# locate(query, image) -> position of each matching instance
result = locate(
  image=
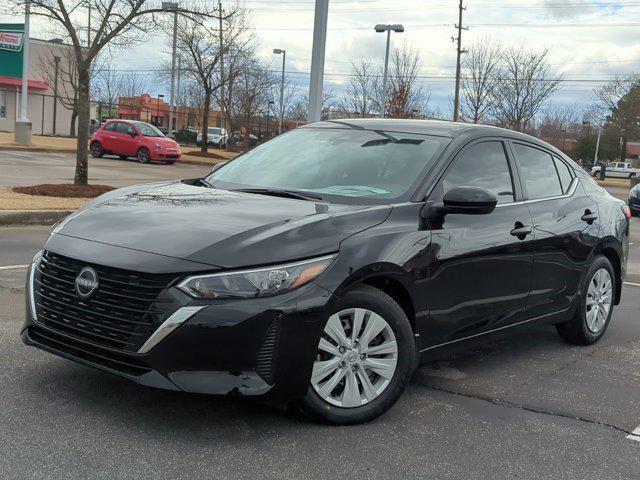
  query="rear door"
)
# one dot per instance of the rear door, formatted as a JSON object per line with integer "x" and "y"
{"x": 482, "y": 263}
{"x": 565, "y": 223}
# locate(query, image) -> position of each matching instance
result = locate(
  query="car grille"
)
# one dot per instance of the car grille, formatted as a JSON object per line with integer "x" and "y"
{"x": 79, "y": 350}
{"x": 123, "y": 312}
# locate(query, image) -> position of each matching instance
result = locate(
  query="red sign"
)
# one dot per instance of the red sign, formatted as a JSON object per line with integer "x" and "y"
{"x": 145, "y": 100}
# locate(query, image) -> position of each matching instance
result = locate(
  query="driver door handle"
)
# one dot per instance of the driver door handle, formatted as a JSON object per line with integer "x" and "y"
{"x": 589, "y": 217}
{"x": 521, "y": 230}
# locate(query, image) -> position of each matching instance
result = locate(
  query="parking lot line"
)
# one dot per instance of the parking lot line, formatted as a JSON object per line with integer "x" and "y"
{"x": 632, "y": 284}
{"x": 635, "y": 435}
{"x": 13, "y": 267}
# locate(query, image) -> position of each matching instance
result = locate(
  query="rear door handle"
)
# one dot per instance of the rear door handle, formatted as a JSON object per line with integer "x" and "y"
{"x": 521, "y": 230}
{"x": 589, "y": 217}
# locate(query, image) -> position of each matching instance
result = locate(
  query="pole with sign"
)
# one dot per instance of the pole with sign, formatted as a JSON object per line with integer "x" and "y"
{"x": 23, "y": 125}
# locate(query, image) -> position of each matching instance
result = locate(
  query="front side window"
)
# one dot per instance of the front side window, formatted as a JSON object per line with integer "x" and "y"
{"x": 124, "y": 127}
{"x": 111, "y": 127}
{"x": 538, "y": 172}
{"x": 482, "y": 165}
{"x": 348, "y": 163}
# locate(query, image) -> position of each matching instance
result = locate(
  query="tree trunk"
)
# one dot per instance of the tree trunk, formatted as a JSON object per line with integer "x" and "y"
{"x": 82, "y": 165}
{"x": 72, "y": 127}
{"x": 204, "y": 145}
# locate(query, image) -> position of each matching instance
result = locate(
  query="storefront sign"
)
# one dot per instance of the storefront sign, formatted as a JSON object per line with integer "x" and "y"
{"x": 11, "y": 43}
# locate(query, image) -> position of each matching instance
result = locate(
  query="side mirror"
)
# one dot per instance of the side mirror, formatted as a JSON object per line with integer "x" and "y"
{"x": 469, "y": 201}
{"x": 218, "y": 166}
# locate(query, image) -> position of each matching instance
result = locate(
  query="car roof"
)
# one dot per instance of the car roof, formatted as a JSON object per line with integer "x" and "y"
{"x": 426, "y": 127}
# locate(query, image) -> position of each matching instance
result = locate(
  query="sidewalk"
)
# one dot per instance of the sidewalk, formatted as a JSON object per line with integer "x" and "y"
{"x": 45, "y": 143}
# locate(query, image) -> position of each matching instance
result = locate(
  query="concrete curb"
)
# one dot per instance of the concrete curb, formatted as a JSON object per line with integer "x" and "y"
{"x": 37, "y": 149}
{"x": 32, "y": 217}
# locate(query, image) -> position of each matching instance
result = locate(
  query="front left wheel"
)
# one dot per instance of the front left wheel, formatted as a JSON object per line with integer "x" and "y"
{"x": 365, "y": 358}
{"x": 144, "y": 156}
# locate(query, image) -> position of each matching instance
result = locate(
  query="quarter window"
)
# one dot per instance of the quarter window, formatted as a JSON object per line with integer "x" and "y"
{"x": 482, "y": 165}
{"x": 538, "y": 172}
{"x": 564, "y": 173}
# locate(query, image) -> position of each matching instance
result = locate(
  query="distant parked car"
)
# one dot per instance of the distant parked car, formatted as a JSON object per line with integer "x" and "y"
{"x": 238, "y": 138}
{"x": 615, "y": 170}
{"x": 634, "y": 200}
{"x": 131, "y": 138}
{"x": 216, "y": 136}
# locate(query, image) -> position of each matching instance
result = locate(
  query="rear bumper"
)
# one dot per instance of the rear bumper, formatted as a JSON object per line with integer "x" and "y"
{"x": 241, "y": 347}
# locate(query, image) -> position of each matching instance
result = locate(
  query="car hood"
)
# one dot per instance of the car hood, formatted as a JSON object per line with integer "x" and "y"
{"x": 218, "y": 227}
{"x": 165, "y": 142}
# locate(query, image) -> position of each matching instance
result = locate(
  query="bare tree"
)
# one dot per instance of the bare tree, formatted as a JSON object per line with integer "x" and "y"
{"x": 480, "y": 68}
{"x": 66, "y": 85}
{"x": 291, "y": 91}
{"x": 406, "y": 97}
{"x": 115, "y": 23}
{"x": 558, "y": 121}
{"x": 609, "y": 94}
{"x": 525, "y": 83}
{"x": 360, "y": 95}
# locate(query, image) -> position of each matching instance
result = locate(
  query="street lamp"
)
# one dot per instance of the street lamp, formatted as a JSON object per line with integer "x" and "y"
{"x": 56, "y": 61}
{"x": 172, "y": 7}
{"x": 381, "y": 28}
{"x": 279, "y": 51}
{"x": 269, "y": 105}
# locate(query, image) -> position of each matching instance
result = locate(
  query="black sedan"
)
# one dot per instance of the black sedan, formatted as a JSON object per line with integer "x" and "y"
{"x": 319, "y": 266}
{"x": 634, "y": 200}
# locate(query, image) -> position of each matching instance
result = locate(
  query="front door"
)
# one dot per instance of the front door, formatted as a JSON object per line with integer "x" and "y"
{"x": 482, "y": 263}
{"x": 126, "y": 139}
{"x": 566, "y": 227}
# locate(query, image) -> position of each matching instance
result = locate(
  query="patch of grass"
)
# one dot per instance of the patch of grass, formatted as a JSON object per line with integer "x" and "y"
{"x": 64, "y": 190}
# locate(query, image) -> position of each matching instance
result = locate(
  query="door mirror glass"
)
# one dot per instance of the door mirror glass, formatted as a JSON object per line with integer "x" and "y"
{"x": 469, "y": 201}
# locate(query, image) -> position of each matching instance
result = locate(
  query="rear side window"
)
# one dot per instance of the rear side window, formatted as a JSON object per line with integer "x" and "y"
{"x": 538, "y": 172}
{"x": 482, "y": 165}
{"x": 564, "y": 173}
{"x": 111, "y": 127}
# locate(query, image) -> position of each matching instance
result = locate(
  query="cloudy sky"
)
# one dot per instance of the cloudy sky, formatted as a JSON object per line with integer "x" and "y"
{"x": 589, "y": 41}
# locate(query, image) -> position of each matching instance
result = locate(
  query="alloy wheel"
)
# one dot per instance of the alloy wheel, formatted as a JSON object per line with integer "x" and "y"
{"x": 599, "y": 298}
{"x": 356, "y": 359}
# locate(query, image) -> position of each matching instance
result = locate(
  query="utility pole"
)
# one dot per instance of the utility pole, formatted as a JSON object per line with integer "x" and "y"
{"x": 595, "y": 157}
{"x": 178, "y": 92}
{"x": 460, "y": 51}
{"x": 23, "y": 124}
{"x": 317, "y": 60}
{"x": 56, "y": 61}
{"x": 279, "y": 51}
{"x": 222, "y": 79}
{"x": 173, "y": 7}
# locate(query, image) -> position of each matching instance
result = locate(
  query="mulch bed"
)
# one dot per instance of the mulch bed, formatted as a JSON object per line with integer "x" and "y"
{"x": 207, "y": 155}
{"x": 65, "y": 190}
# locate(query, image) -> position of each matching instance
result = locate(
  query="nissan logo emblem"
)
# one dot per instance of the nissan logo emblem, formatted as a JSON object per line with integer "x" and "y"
{"x": 86, "y": 282}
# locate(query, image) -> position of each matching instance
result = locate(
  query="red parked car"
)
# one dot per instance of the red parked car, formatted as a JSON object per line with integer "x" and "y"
{"x": 131, "y": 138}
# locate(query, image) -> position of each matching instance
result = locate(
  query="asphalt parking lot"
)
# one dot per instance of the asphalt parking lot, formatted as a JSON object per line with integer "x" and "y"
{"x": 521, "y": 404}
{"x": 32, "y": 168}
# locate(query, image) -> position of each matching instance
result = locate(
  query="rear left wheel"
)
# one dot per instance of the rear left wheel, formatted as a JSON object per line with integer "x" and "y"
{"x": 365, "y": 359}
{"x": 96, "y": 150}
{"x": 593, "y": 315}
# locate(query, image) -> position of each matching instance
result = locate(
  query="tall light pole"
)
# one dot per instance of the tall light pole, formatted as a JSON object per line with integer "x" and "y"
{"x": 381, "y": 28}
{"x": 23, "y": 125}
{"x": 56, "y": 61}
{"x": 279, "y": 51}
{"x": 317, "y": 60}
{"x": 172, "y": 6}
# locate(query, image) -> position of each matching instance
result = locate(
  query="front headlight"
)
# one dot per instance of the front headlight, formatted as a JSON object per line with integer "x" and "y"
{"x": 635, "y": 191}
{"x": 262, "y": 282}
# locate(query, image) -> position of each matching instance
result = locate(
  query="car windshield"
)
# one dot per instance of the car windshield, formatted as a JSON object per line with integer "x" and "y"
{"x": 147, "y": 130}
{"x": 356, "y": 163}
{"x": 214, "y": 131}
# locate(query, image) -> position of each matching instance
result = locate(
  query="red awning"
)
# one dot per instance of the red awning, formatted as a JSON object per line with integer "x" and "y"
{"x": 17, "y": 82}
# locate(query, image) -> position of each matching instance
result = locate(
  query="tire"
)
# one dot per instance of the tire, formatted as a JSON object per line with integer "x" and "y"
{"x": 581, "y": 330}
{"x": 351, "y": 365}
{"x": 123, "y": 157}
{"x": 144, "y": 156}
{"x": 632, "y": 175}
{"x": 96, "y": 150}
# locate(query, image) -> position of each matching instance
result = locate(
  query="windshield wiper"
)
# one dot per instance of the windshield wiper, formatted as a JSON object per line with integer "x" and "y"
{"x": 274, "y": 192}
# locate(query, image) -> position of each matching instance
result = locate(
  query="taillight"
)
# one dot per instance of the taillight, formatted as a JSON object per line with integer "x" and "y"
{"x": 626, "y": 211}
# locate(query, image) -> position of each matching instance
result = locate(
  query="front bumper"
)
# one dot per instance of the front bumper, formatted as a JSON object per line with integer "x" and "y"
{"x": 166, "y": 156}
{"x": 634, "y": 204}
{"x": 245, "y": 347}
